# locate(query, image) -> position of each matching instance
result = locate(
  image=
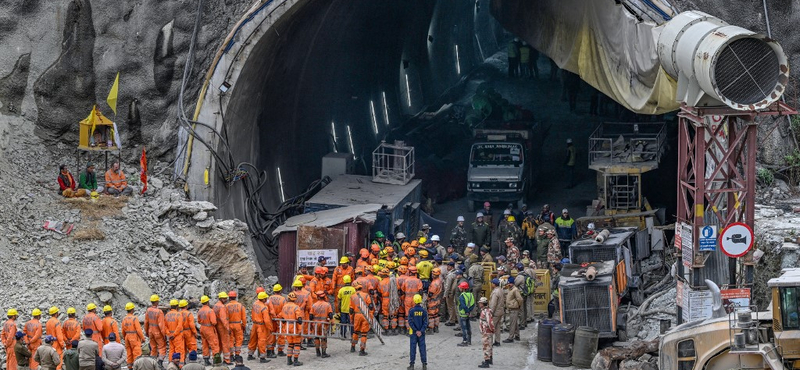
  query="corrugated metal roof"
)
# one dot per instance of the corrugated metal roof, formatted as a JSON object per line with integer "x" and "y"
{"x": 348, "y": 190}
{"x": 332, "y": 217}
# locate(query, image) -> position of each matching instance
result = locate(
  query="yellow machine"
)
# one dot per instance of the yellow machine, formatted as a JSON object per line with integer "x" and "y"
{"x": 743, "y": 339}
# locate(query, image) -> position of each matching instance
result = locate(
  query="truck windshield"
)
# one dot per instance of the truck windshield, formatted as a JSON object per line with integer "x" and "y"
{"x": 496, "y": 154}
{"x": 790, "y": 308}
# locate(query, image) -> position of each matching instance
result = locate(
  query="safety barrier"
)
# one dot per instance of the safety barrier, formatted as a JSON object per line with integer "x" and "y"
{"x": 309, "y": 328}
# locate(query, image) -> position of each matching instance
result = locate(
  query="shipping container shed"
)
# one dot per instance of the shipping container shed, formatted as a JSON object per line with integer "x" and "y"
{"x": 329, "y": 233}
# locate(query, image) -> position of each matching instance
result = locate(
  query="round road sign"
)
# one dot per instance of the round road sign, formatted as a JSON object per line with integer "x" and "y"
{"x": 736, "y": 240}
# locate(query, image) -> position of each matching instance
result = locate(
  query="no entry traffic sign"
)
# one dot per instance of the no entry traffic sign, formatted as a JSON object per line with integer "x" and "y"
{"x": 736, "y": 240}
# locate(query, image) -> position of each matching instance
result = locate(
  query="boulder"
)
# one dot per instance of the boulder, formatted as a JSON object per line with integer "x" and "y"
{"x": 137, "y": 288}
{"x": 163, "y": 254}
{"x": 207, "y": 223}
{"x": 100, "y": 285}
{"x": 200, "y": 216}
{"x": 104, "y": 296}
{"x": 176, "y": 240}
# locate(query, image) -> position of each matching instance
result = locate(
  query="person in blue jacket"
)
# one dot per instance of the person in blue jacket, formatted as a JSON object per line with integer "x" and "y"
{"x": 417, "y": 322}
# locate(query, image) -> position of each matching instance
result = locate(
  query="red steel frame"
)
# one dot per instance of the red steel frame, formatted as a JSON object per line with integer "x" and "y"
{"x": 731, "y": 196}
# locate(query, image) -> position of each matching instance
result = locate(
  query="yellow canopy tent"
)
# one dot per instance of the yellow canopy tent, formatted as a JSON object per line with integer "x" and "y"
{"x": 97, "y": 132}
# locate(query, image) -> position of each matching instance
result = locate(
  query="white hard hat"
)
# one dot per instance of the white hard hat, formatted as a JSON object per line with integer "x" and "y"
{"x": 507, "y": 212}
{"x": 400, "y": 236}
{"x": 435, "y": 238}
{"x": 480, "y": 214}
{"x": 564, "y": 210}
{"x": 470, "y": 245}
{"x": 569, "y": 141}
{"x": 590, "y": 226}
{"x": 460, "y": 219}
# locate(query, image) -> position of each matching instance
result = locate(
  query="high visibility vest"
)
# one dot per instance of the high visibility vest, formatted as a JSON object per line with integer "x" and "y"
{"x": 469, "y": 299}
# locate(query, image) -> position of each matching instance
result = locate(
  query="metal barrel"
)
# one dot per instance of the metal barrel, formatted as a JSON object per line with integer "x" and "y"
{"x": 543, "y": 340}
{"x": 563, "y": 337}
{"x": 586, "y": 339}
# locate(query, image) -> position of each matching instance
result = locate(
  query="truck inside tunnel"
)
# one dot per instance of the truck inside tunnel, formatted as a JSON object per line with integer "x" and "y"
{"x": 344, "y": 76}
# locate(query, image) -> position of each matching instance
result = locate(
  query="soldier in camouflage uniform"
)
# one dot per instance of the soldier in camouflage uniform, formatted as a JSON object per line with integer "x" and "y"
{"x": 512, "y": 252}
{"x": 554, "y": 259}
{"x": 458, "y": 237}
{"x": 503, "y": 231}
{"x": 481, "y": 234}
{"x": 487, "y": 331}
{"x": 424, "y": 232}
{"x": 541, "y": 245}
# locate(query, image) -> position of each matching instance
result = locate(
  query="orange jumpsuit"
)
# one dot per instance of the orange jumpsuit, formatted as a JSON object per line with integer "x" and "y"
{"x": 155, "y": 329}
{"x": 411, "y": 286}
{"x": 338, "y": 274}
{"x": 363, "y": 263}
{"x": 275, "y": 303}
{"x": 33, "y": 333}
{"x": 132, "y": 332}
{"x": 321, "y": 311}
{"x": 258, "y": 333}
{"x": 53, "y": 327}
{"x": 373, "y": 287}
{"x": 174, "y": 323}
{"x": 291, "y": 312}
{"x": 189, "y": 330}
{"x": 389, "y": 317}
{"x": 92, "y": 321}
{"x": 434, "y": 300}
{"x": 223, "y": 330}
{"x": 208, "y": 332}
{"x": 237, "y": 318}
{"x": 401, "y": 310}
{"x": 304, "y": 302}
{"x": 360, "y": 321}
{"x": 9, "y": 340}
{"x": 72, "y": 331}
{"x": 317, "y": 284}
{"x": 110, "y": 325}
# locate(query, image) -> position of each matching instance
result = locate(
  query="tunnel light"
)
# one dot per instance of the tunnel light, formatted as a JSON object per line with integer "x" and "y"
{"x": 372, "y": 114}
{"x": 408, "y": 90}
{"x": 335, "y": 139}
{"x": 350, "y": 141}
{"x": 385, "y": 108}
{"x": 280, "y": 183}
{"x": 458, "y": 61}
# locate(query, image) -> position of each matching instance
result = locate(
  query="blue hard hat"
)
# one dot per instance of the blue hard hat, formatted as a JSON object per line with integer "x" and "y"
{"x": 511, "y": 280}
{"x": 19, "y": 335}
{"x": 437, "y": 258}
{"x": 320, "y": 258}
{"x": 176, "y": 356}
{"x": 496, "y": 281}
{"x": 88, "y": 332}
{"x": 454, "y": 256}
{"x": 49, "y": 339}
{"x": 193, "y": 356}
{"x": 565, "y": 260}
{"x": 520, "y": 266}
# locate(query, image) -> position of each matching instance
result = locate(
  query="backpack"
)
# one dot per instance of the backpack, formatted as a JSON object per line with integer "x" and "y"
{"x": 530, "y": 286}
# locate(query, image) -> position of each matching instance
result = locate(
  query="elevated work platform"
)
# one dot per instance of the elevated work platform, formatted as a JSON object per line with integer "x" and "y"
{"x": 626, "y": 148}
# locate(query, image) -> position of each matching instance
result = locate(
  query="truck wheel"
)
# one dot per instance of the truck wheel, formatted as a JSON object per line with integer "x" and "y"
{"x": 471, "y": 205}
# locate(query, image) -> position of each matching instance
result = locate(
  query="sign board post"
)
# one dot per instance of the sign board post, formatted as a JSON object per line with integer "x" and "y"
{"x": 736, "y": 239}
{"x": 687, "y": 245}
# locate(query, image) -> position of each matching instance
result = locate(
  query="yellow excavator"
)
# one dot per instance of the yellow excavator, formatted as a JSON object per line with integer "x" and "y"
{"x": 740, "y": 338}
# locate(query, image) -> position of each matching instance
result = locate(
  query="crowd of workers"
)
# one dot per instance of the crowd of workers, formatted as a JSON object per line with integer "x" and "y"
{"x": 115, "y": 182}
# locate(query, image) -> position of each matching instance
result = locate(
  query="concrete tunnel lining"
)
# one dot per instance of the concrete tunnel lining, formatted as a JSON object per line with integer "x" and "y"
{"x": 308, "y": 76}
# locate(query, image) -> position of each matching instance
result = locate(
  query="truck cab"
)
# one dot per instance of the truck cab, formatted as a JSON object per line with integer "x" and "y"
{"x": 498, "y": 167}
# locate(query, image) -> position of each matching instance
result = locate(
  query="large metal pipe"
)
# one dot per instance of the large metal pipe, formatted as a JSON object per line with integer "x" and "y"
{"x": 719, "y": 64}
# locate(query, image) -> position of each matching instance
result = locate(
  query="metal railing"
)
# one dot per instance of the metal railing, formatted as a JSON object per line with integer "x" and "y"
{"x": 641, "y": 141}
{"x": 316, "y": 329}
{"x": 393, "y": 163}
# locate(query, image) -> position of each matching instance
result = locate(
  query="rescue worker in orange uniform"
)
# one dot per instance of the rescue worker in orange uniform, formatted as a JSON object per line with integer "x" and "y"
{"x": 411, "y": 254}
{"x": 304, "y": 302}
{"x": 317, "y": 283}
{"x": 237, "y": 318}
{"x": 361, "y": 278}
{"x": 321, "y": 311}
{"x": 361, "y": 309}
{"x": 155, "y": 329}
{"x": 364, "y": 260}
{"x": 132, "y": 332}
{"x": 411, "y": 285}
{"x": 275, "y": 303}
{"x": 375, "y": 251}
{"x": 372, "y": 280}
{"x": 291, "y": 328}
{"x": 110, "y": 325}
{"x": 9, "y": 339}
{"x": 71, "y": 328}
{"x": 53, "y": 327}
{"x": 435, "y": 291}
{"x": 223, "y": 327}
{"x": 208, "y": 332}
{"x": 173, "y": 321}
{"x": 189, "y": 329}
{"x": 402, "y": 275}
{"x": 388, "y": 316}
{"x": 339, "y": 273}
{"x": 92, "y": 321}
{"x": 33, "y": 333}
{"x": 261, "y": 330}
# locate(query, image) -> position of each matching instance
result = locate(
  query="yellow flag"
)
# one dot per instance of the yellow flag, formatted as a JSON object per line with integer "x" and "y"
{"x": 112, "y": 95}
{"x": 93, "y": 119}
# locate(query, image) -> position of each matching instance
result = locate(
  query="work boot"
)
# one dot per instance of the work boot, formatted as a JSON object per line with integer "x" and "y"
{"x": 263, "y": 360}
{"x": 302, "y": 348}
{"x": 462, "y": 344}
{"x": 496, "y": 344}
{"x": 410, "y": 367}
{"x": 509, "y": 340}
{"x": 516, "y": 338}
{"x": 362, "y": 353}
{"x": 450, "y": 324}
{"x": 424, "y": 366}
{"x": 288, "y": 360}
{"x": 352, "y": 348}
{"x": 281, "y": 353}
{"x": 297, "y": 363}
{"x": 325, "y": 353}
{"x": 491, "y": 360}
{"x": 205, "y": 360}
{"x": 319, "y": 353}
{"x": 484, "y": 365}
{"x": 271, "y": 354}
{"x": 436, "y": 329}
{"x": 250, "y": 357}
{"x": 161, "y": 363}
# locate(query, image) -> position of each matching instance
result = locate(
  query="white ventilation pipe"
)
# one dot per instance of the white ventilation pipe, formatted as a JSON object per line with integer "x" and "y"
{"x": 719, "y": 64}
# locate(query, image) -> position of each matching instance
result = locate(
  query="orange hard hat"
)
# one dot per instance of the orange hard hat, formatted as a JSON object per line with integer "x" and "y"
{"x": 389, "y": 250}
{"x": 319, "y": 270}
{"x": 412, "y": 269}
{"x": 403, "y": 269}
{"x": 410, "y": 251}
{"x": 405, "y": 245}
{"x": 375, "y": 248}
{"x": 357, "y": 285}
{"x": 320, "y": 293}
{"x": 325, "y": 270}
{"x": 436, "y": 271}
{"x": 359, "y": 270}
{"x": 384, "y": 272}
{"x": 404, "y": 260}
{"x": 364, "y": 253}
{"x": 415, "y": 243}
{"x": 232, "y": 294}
{"x": 260, "y": 289}
{"x": 373, "y": 261}
{"x": 293, "y": 297}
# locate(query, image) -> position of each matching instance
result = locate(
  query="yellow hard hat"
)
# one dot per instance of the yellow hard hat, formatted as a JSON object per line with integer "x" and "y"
{"x": 511, "y": 218}
{"x": 53, "y": 310}
{"x": 417, "y": 299}
{"x": 94, "y": 195}
{"x": 262, "y": 295}
{"x": 71, "y": 311}
{"x": 423, "y": 253}
{"x": 422, "y": 240}
{"x": 344, "y": 260}
{"x": 129, "y": 306}
{"x": 297, "y": 284}
{"x": 12, "y": 312}
{"x": 107, "y": 308}
{"x": 346, "y": 279}
{"x": 183, "y": 303}
{"x": 36, "y": 312}
{"x": 154, "y": 298}
{"x": 277, "y": 288}
{"x": 377, "y": 268}
{"x": 222, "y": 295}
{"x": 173, "y": 302}
{"x": 204, "y": 299}
{"x": 91, "y": 306}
